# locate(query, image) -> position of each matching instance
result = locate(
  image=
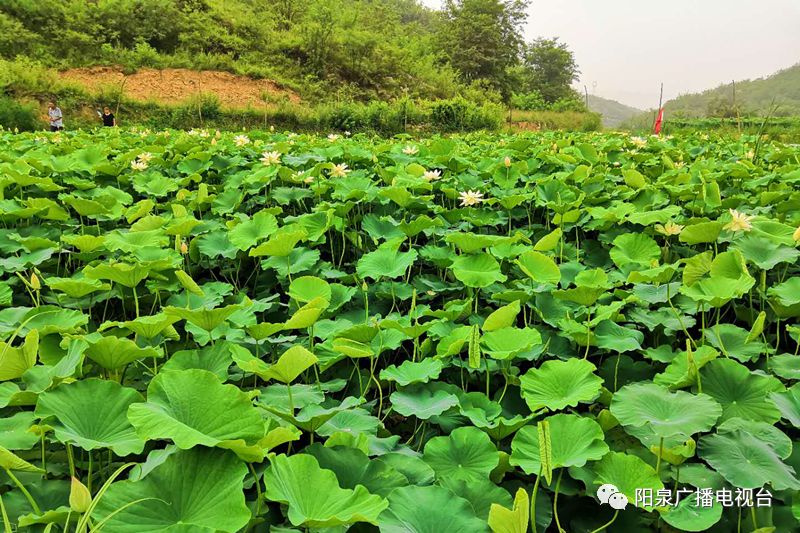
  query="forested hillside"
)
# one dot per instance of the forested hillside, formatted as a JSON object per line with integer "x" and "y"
{"x": 752, "y": 97}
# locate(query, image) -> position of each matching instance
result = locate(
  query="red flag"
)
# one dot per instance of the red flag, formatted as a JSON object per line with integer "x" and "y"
{"x": 659, "y": 121}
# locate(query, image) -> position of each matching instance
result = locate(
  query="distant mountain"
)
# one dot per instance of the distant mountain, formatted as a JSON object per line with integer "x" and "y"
{"x": 753, "y": 97}
{"x": 613, "y": 112}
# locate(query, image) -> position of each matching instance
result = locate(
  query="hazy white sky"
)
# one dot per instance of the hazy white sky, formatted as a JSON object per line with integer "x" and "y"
{"x": 626, "y": 48}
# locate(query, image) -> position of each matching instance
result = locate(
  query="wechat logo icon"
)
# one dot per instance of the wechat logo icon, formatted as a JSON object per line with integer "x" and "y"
{"x": 609, "y": 494}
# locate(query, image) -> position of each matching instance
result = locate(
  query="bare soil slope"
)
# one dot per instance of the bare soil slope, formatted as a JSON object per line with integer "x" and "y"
{"x": 173, "y": 86}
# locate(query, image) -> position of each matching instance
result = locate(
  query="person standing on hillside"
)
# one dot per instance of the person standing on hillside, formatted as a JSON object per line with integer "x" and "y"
{"x": 109, "y": 120}
{"x": 55, "y": 116}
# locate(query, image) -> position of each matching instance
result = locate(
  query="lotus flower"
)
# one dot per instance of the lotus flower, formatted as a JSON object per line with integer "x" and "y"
{"x": 340, "y": 170}
{"x": 145, "y": 156}
{"x": 796, "y": 234}
{"x": 410, "y": 150}
{"x": 432, "y": 175}
{"x": 470, "y": 198}
{"x": 271, "y": 158}
{"x": 139, "y": 165}
{"x": 670, "y": 228}
{"x": 184, "y": 248}
{"x": 333, "y": 137}
{"x": 308, "y": 179}
{"x": 241, "y": 140}
{"x": 507, "y": 162}
{"x": 739, "y": 221}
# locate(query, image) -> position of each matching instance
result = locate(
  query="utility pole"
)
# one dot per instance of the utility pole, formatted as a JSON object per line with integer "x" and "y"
{"x": 586, "y": 94}
{"x": 658, "y": 109}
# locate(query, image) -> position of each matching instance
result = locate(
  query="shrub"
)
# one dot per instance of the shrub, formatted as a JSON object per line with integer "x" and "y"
{"x": 22, "y": 116}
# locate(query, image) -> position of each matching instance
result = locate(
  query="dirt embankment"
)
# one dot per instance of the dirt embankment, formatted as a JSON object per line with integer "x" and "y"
{"x": 173, "y": 86}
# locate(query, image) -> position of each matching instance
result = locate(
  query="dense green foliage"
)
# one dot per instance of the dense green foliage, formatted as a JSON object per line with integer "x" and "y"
{"x": 227, "y": 333}
{"x": 334, "y": 50}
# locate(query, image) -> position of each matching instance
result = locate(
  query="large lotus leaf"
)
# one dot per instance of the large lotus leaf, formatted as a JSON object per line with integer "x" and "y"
{"x": 352, "y": 468}
{"x": 198, "y": 491}
{"x": 122, "y": 273}
{"x": 691, "y": 515}
{"x": 786, "y": 366}
{"x": 76, "y": 288}
{"x": 430, "y": 509}
{"x": 291, "y": 364}
{"x": 627, "y": 473}
{"x": 665, "y": 413}
{"x": 467, "y": 453}
{"x": 215, "y": 358}
{"x": 16, "y": 360}
{"x": 247, "y": 233}
{"x": 504, "y": 317}
{"x": 573, "y": 441}
{"x": 281, "y": 243}
{"x": 732, "y": 341}
{"x": 385, "y": 262}
{"x": 46, "y": 319}
{"x": 306, "y": 316}
{"x": 191, "y": 408}
{"x": 352, "y": 421}
{"x": 10, "y": 461}
{"x": 14, "y": 434}
{"x": 539, "y": 267}
{"x": 204, "y": 318}
{"x": 113, "y": 353}
{"x": 92, "y": 414}
{"x": 612, "y": 336}
{"x": 701, "y": 232}
{"x": 741, "y": 393}
{"x": 480, "y": 493}
{"x": 422, "y": 401}
{"x": 635, "y": 249}
{"x": 148, "y": 327}
{"x": 788, "y": 402}
{"x": 313, "y": 495}
{"x": 477, "y": 270}
{"x": 764, "y": 253}
{"x": 777, "y": 439}
{"x": 746, "y": 461}
{"x": 509, "y": 342}
{"x": 679, "y": 373}
{"x": 306, "y": 288}
{"x": 559, "y": 384}
{"x": 514, "y": 520}
{"x": 413, "y": 372}
{"x": 728, "y": 278}
{"x": 312, "y": 417}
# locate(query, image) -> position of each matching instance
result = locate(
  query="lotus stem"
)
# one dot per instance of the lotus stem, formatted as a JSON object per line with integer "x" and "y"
{"x": 555, "y": 501}
{"x": 658, "y": 459}
{"x": 607, "y": 524}
{"x": 24, "y": 491}
{"x": 533, "y": 500}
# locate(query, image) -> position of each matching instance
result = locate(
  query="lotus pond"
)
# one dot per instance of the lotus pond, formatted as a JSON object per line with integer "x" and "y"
{"x": 210, "y": 332}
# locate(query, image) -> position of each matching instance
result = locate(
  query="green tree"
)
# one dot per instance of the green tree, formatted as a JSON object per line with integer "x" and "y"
{"x": 483, "y": 38}
{"x": 549, "y": 67}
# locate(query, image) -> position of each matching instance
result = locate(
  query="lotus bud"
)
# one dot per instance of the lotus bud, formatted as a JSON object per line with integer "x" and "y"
{"x": 35, "y": 283}
{"x": 796, "y": 234}
{"x": 79, "y": 496}
{"x": 184, "y": 248}
{"x": 507, "y": 162}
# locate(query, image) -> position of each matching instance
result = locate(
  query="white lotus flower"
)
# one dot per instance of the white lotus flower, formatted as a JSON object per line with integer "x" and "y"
{"x": 308, "y": 179}
{"x": 333, "y": 137}
{"x": 470, "y": 198}
{"x": 410, "y": 150}
{"x": 139, "y": 165}
{"x": 639, "y": 141}
{"x": 271, "y": 158}
{"x": 432, "y": 175}
{"x": 340, "y": 170}
{"x": 145, "y": 156}
{"x": 739, "y": 221}
{"x": 670, "y": 228}
{"x": 241, "y": 140}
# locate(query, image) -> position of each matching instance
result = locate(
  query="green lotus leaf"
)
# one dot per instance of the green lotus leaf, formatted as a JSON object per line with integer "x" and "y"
{"x": 477, "y": 270}
{"x": 560, "y": 384}
{"x": 689, "y": 515}
{"x": 665, "y": 413}
{"x": 744, "y": 460}
{"x": 788, "y": 403}
{"x": 306, "y": 316}
{"x": 353, "y": 421}
{"x": 467, "y": 454}
{"x": 281, "y": 243}
{"x": 679, "y": 373}
{"x": 412, "y": 372}
{"x": 122, "y": 273}
{"x": 14, "y": 434}
{"x": 113, "y": 353}
{"x": 312, "y": 417}
{"x": 732, "y": 341}
{"x": 430, "y": 509}
{"x": 777, "y": 439}
{"x": 509, "y": 342}
{"x": 742, "y": 394}
{"x": 191, "y": 408}
{"x": 787, "y": 293}
{"x": 701, "y": 232}
{"x": 247, "y": 233}
{"x": 92, "y": 414}
{"x": 148, "y": 327}
{"x": 764, "y": 253}
{"x": 514, "y": 520}
{"x": 786, "y": 366}
{"x": 16, "y": 360}
{"x": 539, "y": 267}
{"x": 204, "y": 318}
{"x": 549, "y": 241}
{"x": 635, "y": 249}
{"x": 289, "y": 366}
{"x": 627, "y": 473}
{"x": 353, "y": 468}
{"x": 480, "y": 493}
{"x": 215, "y": 358}
{"x": 728, "y": 278}
{"x": 574, "y": 440}
{"x": 612, "y": 336}
{"x": 76, "y": 288}
{"x": 504, "y": 317}
{"x": 216, "y": 244}
{"x": 422, "y": 401}
{"x": 198, "y": 490}
{"x": 385, "y": 262}
{"x": 307, "y": 288}
{"x": 328, "y": 505}
{"x": 10, "y": 461}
